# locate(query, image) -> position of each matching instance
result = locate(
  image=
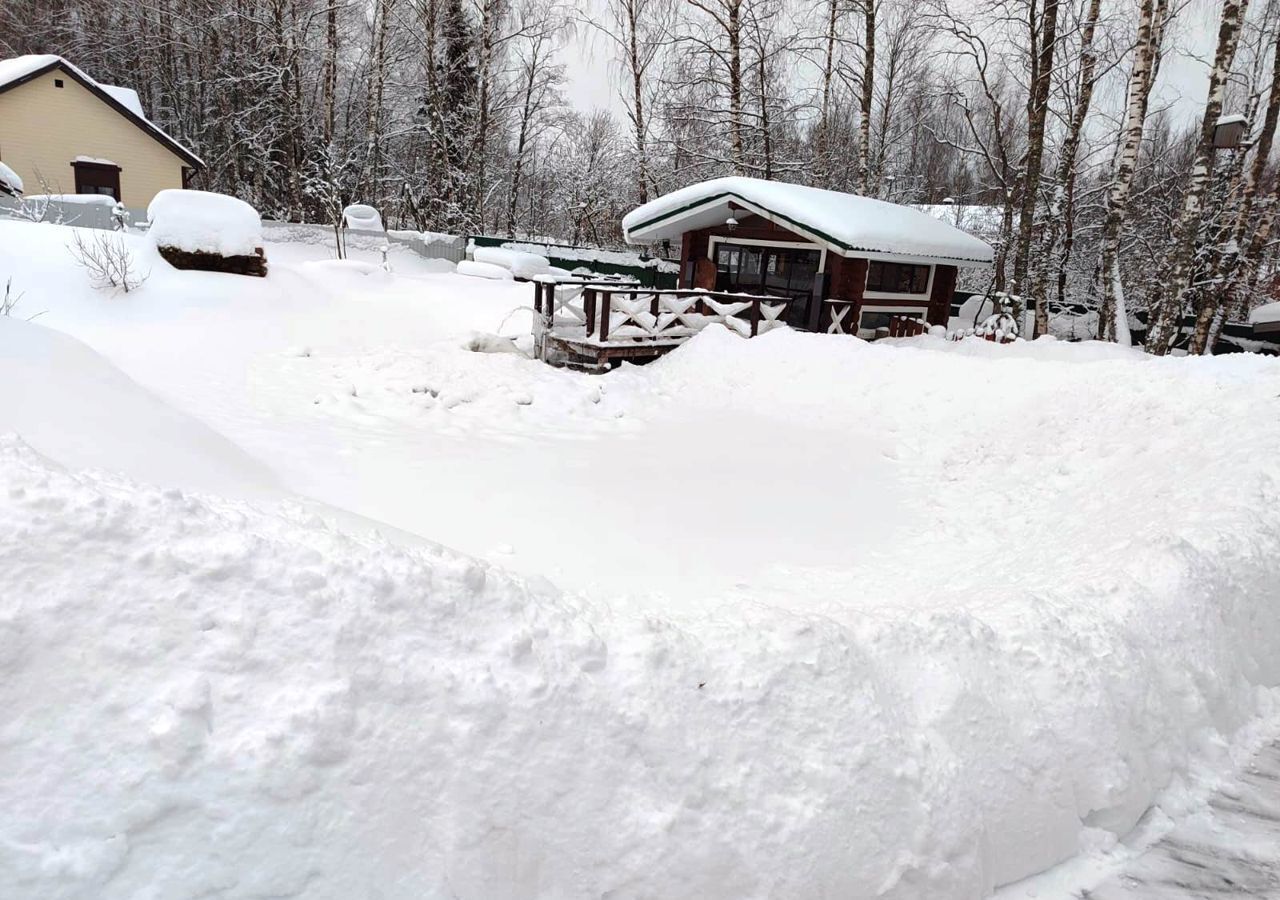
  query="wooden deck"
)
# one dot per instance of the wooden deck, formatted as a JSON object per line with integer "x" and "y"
{"x": 595, "y": 325}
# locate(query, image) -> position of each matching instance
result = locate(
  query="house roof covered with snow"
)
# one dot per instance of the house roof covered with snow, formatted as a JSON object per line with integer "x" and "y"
{"x": 847, "y": 224}
{"x": 1266, "y": 317}
{"x": 21, "y": 69}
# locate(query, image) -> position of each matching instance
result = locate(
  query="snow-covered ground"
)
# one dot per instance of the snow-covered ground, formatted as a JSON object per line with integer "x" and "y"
{"x": 796, "y": 616}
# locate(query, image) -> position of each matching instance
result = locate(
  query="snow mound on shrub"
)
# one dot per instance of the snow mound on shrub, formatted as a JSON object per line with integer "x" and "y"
{"x": 204, "y": 222}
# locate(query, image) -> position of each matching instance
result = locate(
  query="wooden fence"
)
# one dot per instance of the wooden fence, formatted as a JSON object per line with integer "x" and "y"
{"x": 604, "y": 319}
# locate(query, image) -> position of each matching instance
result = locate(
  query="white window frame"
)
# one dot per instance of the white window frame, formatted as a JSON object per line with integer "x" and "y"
{"x": 897, "y": 295}
{"x": 717, "y": 239}
{"x": 922, "y": 312}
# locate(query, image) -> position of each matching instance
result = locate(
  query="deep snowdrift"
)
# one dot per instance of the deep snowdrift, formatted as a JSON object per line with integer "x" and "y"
{"x": 215, "y": 699}
{"x": 70, "y": 403}
{"x": 1046, "y": 585}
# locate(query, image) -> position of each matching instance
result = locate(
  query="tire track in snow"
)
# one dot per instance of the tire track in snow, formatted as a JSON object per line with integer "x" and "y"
{"x": 1232, "y": 849}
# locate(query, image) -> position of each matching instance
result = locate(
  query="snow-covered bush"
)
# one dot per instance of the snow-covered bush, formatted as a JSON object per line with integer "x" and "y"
{"x": 107, "y": 259}
{"x": 203, "y": 230}
{"x": 1000, "y": 327}
{"x": 9, "y": 300}
{"x": 119, "y": 217}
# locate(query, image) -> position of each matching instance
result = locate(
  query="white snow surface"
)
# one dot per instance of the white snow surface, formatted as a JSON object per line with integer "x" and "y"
{"x": 10, "y": 179}
{"x": 592, "y": 254}
{"x": 478, "y": 269}
{"x": 720, "y": 627}
{"x": 202, "y": 221}
{"x": 1268, "y": 312}
{"x": 126, "y": 97}
{"x": 521, "y": 265}
{"x": 82, "y": 199}
{"x": 848, "y": 222}
{"x": 96, "y": 160}
{"x": 17, "y": 67}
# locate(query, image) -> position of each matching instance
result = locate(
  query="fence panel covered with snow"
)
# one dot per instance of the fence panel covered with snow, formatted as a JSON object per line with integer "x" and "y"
{"x": 427, "y": 244}
{"x": 82, "y": 210}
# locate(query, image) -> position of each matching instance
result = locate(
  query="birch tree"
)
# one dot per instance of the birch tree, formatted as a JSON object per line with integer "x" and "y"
{"x": 1241, "y": 257}
{"x": 1113, "y": 321}
{"x": 638, "y": 30}
{"x": 1048, "y": 229}
{"x": 868, "y": 96}
{"x": 539, "y": 80}
{"x": 1037, "y": 111}
{"x": 1166, "y": 317}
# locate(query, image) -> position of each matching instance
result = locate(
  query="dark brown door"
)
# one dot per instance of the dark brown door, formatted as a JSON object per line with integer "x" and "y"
{"x": 97, "y": 178}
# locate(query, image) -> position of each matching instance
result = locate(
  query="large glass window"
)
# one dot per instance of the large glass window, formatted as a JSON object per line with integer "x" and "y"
{"x": 777, "y": 271}
{"x": 897, "y": 278}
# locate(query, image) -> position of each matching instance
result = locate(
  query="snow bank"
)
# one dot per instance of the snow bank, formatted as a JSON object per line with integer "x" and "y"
{"x": 214, "y": 698}
{"x": 204, "y": 222}
{"x": 919, "y": 639}
{"x": 477, "y": 269}
{"x": 521, "y": 265}
{"x": 76, "y": 407}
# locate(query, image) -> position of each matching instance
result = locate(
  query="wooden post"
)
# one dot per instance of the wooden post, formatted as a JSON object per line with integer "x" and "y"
{"x": 755, "y": 317}
{"x": 589, "y": 308}
{"x": 537, "y": 297}
{"x": 604, "y": 316}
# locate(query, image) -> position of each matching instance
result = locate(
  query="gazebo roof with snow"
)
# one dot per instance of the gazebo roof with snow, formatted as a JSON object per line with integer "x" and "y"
{"x": 846, "y": 224}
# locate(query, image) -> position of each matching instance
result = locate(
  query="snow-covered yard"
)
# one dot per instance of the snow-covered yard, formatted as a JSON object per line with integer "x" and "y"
{"x": 309, "y": 596}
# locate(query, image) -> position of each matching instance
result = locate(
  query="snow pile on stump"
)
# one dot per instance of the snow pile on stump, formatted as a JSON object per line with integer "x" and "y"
{"x": 207, "y": 231}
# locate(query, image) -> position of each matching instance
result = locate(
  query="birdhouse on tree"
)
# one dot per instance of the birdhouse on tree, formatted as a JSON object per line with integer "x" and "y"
{"x": 1228, "y": 132}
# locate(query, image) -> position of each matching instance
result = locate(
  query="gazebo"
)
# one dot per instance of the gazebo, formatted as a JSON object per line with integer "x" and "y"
{"x": 757, "y": 254}
{"x": 847, "y": 263}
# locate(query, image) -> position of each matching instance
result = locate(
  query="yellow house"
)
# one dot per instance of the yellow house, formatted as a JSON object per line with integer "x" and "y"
{"x": 63, "y": 133}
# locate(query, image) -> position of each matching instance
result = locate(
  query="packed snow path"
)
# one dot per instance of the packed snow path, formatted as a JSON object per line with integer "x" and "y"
{"x": 1232, "y": 849}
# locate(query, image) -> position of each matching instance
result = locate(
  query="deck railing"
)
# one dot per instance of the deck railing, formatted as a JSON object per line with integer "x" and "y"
{"x": 605, "y": 312}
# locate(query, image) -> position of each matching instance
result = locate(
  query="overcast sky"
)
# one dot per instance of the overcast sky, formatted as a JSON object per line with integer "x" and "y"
{"x": 1183, "y": 76}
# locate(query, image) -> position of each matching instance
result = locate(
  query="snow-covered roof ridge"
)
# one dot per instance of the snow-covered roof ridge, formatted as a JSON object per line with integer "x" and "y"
{"x": 847, "y": 223}
{"x": 126, "y": 97}
{"x": 18, "y": 68}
